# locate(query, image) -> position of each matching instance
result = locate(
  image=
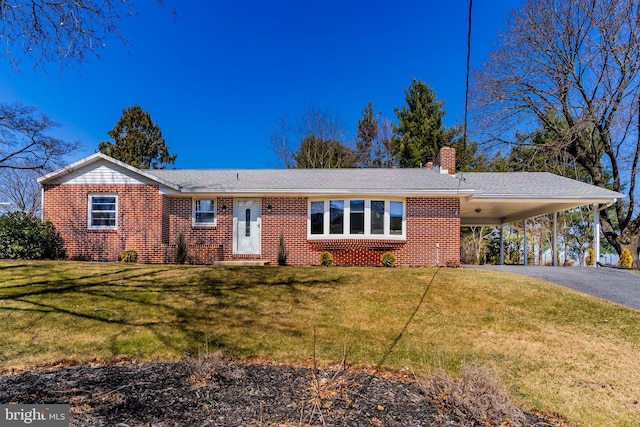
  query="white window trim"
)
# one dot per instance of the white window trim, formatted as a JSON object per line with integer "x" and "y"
{"x": 193, "y": 212}
{"x": 90, "y": 212}
{"x": 367, "y": 219}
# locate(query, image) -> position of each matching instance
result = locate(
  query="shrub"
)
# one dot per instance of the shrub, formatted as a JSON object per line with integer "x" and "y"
{"x": 129, "y": 256}
{"x": 476, "y": 399}
{"x": 453, "y": 264}
{"x": 326, "y": 259}
{"x": 181, "y": 249}
{"x": 283, "y": 253}
{"x": 590, "y": 260}
{"x": 25, "y": 236}
{"x": 626, "y": 260}
{"x": 388, "y": 259}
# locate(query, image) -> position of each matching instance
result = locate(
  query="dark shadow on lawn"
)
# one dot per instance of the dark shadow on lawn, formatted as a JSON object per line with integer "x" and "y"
{"x": 409, "y": 320}
{"x": 213, "y": 296}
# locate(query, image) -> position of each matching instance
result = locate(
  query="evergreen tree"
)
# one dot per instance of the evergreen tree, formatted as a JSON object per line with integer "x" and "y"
{"x": 374, "y": 143}
{"x": 420, "y": 132}
{"x": 138, "y": 141}
{"x": 367, "y": 134}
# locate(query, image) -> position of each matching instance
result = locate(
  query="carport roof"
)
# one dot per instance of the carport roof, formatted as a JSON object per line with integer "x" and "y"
{"x": 503, "y": 197}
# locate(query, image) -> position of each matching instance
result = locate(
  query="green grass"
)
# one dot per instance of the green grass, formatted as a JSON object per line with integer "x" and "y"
{"x": 556, "y": 351}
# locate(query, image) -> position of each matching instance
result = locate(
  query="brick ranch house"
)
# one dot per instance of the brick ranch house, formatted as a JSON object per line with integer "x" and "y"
{"x": 102, "y": 207}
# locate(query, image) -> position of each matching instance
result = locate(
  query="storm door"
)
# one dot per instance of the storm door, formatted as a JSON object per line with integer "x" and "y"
{"x": 246, "y": 226}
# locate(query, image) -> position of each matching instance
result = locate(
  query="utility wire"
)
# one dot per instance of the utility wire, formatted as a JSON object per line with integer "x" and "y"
{"x": 466, "y": 94}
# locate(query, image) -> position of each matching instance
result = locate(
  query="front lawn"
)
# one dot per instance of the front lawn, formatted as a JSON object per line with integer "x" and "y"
{"x": 555, "y": 350}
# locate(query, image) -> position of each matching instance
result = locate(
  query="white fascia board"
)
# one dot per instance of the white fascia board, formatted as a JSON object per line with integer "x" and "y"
{"x": 556, "y": 199}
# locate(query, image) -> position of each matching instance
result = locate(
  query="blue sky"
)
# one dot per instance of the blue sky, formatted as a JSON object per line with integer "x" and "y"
{"x": 218, "y": 76}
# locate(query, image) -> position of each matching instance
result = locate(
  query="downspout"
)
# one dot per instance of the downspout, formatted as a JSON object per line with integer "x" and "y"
{"x": 42, "y": 203}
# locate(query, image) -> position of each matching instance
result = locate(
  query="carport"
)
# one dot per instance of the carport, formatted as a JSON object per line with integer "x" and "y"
{"x": 502, "y": 198}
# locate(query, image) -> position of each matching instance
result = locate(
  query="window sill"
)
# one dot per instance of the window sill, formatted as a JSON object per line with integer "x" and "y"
{"x": 359, "y": 237}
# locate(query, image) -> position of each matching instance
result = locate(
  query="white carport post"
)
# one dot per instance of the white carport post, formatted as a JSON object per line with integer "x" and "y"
{"x": 526, "y": 245}
{"x": 596, "y": 234}
{"x": 501, "y": 244}
{"x": 554, "y": 240}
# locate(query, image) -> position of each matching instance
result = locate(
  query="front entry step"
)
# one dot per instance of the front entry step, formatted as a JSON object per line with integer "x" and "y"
{"x": 241, "y": 263}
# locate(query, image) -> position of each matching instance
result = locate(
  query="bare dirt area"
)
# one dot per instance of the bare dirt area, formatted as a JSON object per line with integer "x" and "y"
{"x": 222, "y": 392}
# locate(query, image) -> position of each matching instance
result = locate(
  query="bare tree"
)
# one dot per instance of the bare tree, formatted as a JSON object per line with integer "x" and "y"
{"x": 26, "y": 141}
{"x": 321, "y": 123}
{"x": 62, "y": 31}
{"x": 473, "y": 246}
{"x": 383, "y": 145}
{"x": 280, "y": 139}
{"x": 573, "y": 66}
{"x": 21, "y": 190}
{"x": 319, "y": 142}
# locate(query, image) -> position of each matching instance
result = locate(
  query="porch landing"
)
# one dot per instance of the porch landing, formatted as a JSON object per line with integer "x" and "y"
{"x": 241, "y": 263}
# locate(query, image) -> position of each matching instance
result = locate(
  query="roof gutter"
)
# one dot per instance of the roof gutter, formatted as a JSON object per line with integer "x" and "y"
{"x": 328, "y": 192}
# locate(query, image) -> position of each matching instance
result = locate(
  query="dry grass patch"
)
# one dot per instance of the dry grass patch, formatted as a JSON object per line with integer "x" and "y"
{"x": 555, "y": 350}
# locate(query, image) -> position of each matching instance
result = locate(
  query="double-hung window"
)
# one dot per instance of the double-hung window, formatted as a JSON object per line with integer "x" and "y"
{"x": 204, "y": 212}
{"x": 103, "y": 211}
{"x": 356, "y": 218}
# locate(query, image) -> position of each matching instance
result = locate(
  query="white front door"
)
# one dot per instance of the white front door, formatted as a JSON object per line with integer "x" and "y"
{"x": 246, "y": 226}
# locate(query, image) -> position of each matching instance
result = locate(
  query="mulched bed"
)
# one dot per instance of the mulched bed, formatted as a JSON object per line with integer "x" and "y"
{"x": 224, "y": 392}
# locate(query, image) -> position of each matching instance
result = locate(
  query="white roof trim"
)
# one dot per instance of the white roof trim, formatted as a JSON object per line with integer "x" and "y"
{"x": 99, "y": 156}
{"x": 345, "y": 192}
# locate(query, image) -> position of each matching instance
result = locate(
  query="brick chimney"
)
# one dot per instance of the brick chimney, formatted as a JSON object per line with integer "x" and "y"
{"x": 446, "y": 160}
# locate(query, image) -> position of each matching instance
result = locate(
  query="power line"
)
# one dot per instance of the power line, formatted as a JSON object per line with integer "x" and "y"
{"x": 466, "y": 94}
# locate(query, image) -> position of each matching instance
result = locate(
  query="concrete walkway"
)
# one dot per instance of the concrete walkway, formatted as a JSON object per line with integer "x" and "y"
{"x": 616, "y": 285}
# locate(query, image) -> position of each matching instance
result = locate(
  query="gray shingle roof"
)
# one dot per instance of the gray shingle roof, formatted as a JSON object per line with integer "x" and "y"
{"x": 481, "y": 186}
{"x": 314, "y": 180}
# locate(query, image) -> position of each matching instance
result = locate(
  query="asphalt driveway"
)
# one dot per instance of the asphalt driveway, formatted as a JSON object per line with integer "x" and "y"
{"x": 616, "y": 285}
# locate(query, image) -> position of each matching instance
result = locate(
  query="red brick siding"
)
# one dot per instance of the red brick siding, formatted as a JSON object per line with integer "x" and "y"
{"x": 205, "y": 244}
{"x": 431, "y": 222}
{"x": 140, "y": 222}
{"x": 150, "y": 223}
{"x": 289, "y": 216}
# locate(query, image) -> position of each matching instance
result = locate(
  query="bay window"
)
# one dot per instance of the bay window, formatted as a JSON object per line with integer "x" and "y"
{"x": 395, "y": 218}
{"x": 377, "y": 216}
{"x": 336, "y": 216}
{"x": 317, "y": 217}
{"x": 356, "y": 218}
